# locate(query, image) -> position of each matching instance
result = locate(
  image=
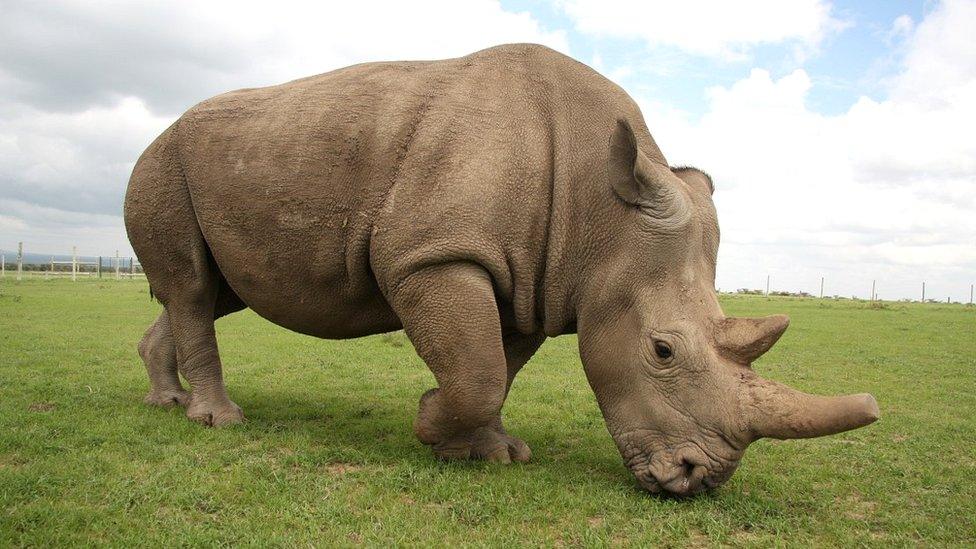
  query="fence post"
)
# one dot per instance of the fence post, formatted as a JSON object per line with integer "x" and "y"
{"x": 74, "y": 263}
{"x": 98, "y": 269}
{"x": 116, "y": 265}
{"x": 132, "y": 267}
{"x": 20, "y": 259}
{"x": 821, "y": 287}
{"x": 923, "y": 292}
{"x": 971, "y": 294}
{"x": 767, "y": 285}
{"x": 872, "y": 291}
{"x": 3, "y": 265}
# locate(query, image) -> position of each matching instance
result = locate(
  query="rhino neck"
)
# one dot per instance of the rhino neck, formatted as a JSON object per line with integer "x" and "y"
{"x": 557, "y": 302}
{"x": 581, "y": 206}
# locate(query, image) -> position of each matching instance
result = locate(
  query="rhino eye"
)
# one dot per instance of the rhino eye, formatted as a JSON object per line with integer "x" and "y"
{"x": 662, "y": 350}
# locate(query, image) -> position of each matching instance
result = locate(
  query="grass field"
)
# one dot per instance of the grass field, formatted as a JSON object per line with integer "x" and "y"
{"x": 327, "y": 456}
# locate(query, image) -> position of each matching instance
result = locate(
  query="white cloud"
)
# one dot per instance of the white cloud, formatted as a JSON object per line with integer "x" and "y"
{"x": 902, "y": 26}
{"x": 941, "y": 57}
{"x": 69, "y": 55}
{"x": 74, "y": 161}
{"x": 717, "y": 29}
{"x": 887, "y": 188}
{"x": 54, "y": 231}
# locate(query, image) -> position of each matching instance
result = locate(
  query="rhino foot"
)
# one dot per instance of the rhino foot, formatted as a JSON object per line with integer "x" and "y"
{"x": 486, "y": 444}
{"x": 167, "y": 398}
{"x": 489, "y": 443}
{"x": 214, "y": 413}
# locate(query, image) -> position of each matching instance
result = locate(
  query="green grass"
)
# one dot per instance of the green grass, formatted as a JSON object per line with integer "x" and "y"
{"x": 327, "y": 456}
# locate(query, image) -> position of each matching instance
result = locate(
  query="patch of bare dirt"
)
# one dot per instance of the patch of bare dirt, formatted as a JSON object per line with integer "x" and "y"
{"x": 860, "y": 508}
{"x": 340, "y": 468}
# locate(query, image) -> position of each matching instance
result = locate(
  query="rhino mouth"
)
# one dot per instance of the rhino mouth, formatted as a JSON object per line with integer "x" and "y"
{"x": 683, "y": 469}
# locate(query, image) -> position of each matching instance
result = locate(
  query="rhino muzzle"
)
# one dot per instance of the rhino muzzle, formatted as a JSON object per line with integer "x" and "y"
{"x": 684, "y": 470}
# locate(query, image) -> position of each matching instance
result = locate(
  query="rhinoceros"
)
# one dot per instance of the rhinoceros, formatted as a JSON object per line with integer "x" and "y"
{"x": 481, "y": 204}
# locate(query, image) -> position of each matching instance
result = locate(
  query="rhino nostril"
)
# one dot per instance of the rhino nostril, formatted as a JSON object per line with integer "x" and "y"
{"x": 679, "y": 485}
{"x": 688, "y": 478}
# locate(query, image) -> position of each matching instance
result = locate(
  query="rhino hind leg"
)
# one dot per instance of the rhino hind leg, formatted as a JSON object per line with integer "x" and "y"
{"x": 192, "y": 321}
{"x": 158, "y": 352}
{"x": 159, "y": 355}
{"x": 449, "y": 313}
{"x": 163, "y": 230}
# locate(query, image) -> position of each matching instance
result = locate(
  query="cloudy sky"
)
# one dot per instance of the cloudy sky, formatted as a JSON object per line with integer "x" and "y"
{"x": 839, "y": 134}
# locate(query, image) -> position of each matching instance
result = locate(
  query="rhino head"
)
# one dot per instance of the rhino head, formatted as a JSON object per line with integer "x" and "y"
{"x": 670, "y": 371}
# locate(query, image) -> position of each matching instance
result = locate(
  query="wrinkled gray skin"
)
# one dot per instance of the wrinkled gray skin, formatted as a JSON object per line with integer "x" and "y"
{"x": 482, "y": 204}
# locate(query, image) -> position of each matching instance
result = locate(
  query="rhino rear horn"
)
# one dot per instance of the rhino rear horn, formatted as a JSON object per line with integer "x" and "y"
{"x": 746, "y": 339}
{"x": 640, "y": 181}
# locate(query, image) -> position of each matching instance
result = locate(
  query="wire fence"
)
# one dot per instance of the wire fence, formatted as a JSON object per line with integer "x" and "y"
{"x": 73, "y": 266}
{"x": 923, "y": 296}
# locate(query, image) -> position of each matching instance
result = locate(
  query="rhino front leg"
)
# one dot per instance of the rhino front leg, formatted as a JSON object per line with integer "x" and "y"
{"x": 449, "y": 313}
{"x": 519, "y": 348}
{"x": 492, "y": 443}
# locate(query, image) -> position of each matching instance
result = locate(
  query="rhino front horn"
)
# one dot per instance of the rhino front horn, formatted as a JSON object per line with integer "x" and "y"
{"x": 778, "y": 411}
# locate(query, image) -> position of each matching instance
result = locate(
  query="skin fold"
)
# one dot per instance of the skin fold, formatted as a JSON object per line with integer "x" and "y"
{"x": 481, "y": 204}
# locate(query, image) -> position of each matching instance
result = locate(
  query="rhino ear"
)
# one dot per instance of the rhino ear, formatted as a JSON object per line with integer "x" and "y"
{"x": 639, "y": 181}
